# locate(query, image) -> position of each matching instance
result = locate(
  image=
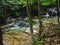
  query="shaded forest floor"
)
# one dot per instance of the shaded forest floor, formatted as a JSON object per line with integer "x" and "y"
{"x": 50, "y": 34}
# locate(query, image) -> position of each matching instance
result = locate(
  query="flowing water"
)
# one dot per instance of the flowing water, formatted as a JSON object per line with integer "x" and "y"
{"x": 20, "y": 25}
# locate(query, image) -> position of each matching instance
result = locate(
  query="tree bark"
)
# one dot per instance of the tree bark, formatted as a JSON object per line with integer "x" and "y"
{"x": 58, "y": 10}
{"x": 40, "y": 21}
{"x": 1, "y": 36}
{"x": 30, "y": 20}
{"x": 1, "y": 33}
{"x": 51, "y": 3}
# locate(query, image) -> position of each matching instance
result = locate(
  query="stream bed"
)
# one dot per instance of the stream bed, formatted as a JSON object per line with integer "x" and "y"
{"x": 21, "y": 25}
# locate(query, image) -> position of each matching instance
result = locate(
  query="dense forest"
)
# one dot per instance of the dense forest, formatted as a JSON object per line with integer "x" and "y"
{"x": 16, "y": 8}
{"x": 32, "y": 9}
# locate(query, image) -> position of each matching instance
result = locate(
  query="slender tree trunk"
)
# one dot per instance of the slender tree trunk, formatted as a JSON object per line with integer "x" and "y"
{"x": 1, "y": 33}
{"x": 30, "y": 20}
{"x": 40, "y": 21}
{"x": 51, "y": 3}
{"x": 58, "y": 10}
{"x": 1, "y": 36}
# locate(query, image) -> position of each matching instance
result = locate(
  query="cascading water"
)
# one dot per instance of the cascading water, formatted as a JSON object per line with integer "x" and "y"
{"x": 18, "y": 25}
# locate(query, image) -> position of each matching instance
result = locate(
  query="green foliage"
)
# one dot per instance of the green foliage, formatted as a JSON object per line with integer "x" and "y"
{"x": 16, "y": 7}
{"x": 39, "y": 42}
{"x": 1, "y": 11}
{"x": 20, "y": 2}
{"x": 47, "y": 2}
{"x": 23, "y": 2}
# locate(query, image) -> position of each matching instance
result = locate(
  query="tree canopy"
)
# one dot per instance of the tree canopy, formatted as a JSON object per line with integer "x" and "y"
{"x": 16, "y": 7}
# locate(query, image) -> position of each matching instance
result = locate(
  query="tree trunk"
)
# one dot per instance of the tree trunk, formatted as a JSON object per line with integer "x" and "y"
{"x": 30, "y": 20}
{"x": 58, "y": 10}
{"x": 1, "y": 33}
{"x": 40, "y": 21}
{"x": 1, "y": 36}
{"x": 51, "y": 3}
